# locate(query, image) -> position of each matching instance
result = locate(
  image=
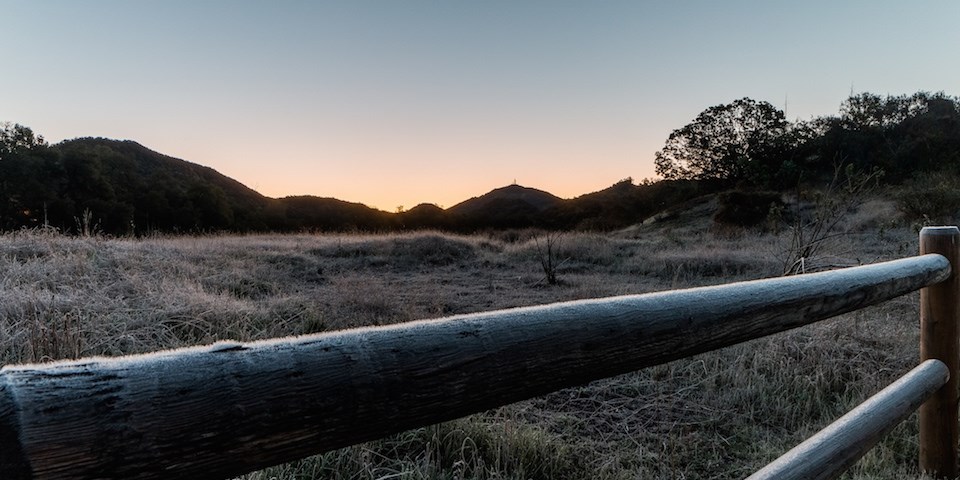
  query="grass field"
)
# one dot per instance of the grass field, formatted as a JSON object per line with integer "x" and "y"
{"x": 718, "y": 415}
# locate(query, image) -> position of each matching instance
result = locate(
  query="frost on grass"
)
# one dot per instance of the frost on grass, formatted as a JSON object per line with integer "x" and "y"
{"x": 718, "y": 415}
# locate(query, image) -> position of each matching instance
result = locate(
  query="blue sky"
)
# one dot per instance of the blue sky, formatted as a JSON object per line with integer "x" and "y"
{"x": 400, "y": 102}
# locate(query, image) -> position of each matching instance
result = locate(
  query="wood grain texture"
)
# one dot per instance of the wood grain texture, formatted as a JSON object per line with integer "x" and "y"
{"x": 13, "y": 465}
{"x": 222, "y": 410}
{"x": 831, "y": 451}
{"x": 940, "y": 339}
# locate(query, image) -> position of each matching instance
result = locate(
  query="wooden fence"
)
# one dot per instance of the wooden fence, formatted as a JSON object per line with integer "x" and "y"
{"x": 223, "y": 410}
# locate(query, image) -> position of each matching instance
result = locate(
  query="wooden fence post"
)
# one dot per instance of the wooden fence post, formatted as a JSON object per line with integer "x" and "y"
{"x": 939, "y": 339}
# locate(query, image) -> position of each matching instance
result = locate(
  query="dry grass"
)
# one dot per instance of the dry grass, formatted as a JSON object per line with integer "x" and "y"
{"x": 717, "y": 415}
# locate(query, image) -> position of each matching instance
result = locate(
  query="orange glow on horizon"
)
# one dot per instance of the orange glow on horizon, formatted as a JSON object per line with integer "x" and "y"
{"x": 389, "y": 188}
{"x": 443, "y": 194}
{"x": 391, "y": 173}
{"x": 388, "y": 104}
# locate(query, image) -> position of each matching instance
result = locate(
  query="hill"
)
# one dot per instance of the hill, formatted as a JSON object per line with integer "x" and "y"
{"x": 513, "y": 206}
{"x": 422, "y": 216}
{"x": 624, "y": 203}
{"x": 308, "y": 213}
{"x": 524, "y": 198}
{"x": 125, "y": 183}
{"x": 121, "y": 187}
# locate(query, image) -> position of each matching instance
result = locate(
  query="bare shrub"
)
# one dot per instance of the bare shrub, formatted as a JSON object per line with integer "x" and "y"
{"x": 812, "y": 229}
{"x": 548, "y": 251}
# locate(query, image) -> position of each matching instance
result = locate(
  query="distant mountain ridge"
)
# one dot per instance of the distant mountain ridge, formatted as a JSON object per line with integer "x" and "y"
{"x": 124, "y": 187}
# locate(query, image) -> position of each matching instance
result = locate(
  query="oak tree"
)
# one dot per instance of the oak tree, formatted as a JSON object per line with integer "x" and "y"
{"x": 736, "y": 141}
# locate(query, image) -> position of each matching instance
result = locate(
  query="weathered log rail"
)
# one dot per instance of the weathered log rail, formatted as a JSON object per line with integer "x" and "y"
{"x": 222, "y": 410}
{"x": 834, "y": 449}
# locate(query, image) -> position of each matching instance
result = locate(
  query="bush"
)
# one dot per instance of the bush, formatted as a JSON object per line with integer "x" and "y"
{"x": 931, "y": 197}
{"x": 746, "y": 209}
{"x": 432, "y": 249}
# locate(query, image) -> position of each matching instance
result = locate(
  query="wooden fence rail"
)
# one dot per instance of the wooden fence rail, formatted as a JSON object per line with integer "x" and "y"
{"x": 222, "y": 410}
{"x": 834, "y": 449}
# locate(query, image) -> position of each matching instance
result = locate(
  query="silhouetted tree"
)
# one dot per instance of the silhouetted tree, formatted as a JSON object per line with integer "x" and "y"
{"x": 31, "y": 175}
{"x": 16, "y": 138}
{"x": 898, "y": 134}
{"x": 727, "y": 142}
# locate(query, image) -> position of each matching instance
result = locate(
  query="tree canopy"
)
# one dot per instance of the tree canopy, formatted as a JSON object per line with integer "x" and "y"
{"x": 16, "y": 138}
{"x": 725, "y": 142}
{"x": 749, "y": 141}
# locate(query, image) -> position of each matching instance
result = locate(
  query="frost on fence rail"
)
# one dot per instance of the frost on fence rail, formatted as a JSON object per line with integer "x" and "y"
{"x": 223, "y": 410}
{"x": 831, "y": 451}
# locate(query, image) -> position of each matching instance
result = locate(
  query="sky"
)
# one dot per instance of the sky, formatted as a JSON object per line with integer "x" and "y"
{"x": 399, "y": 102}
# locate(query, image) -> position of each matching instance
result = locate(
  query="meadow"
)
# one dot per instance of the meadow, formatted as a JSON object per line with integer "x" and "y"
{"x": 717, "y": 415}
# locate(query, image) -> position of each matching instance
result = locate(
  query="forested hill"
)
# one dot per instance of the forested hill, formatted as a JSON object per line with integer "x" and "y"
{"x": 123, "y": 188}
{"x": 128, "y": 182}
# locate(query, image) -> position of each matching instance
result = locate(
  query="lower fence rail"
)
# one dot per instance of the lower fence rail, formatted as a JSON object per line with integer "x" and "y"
{"x": 831, "y": 451}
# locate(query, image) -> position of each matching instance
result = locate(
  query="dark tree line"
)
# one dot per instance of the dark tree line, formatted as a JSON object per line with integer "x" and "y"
{"x": 748, "y": 142}
{"x": 121, "y": 186}
{"x": 124, "y": 188}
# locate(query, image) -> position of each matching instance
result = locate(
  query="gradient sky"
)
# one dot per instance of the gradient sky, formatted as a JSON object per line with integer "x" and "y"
{"x": 399, "y": 102}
